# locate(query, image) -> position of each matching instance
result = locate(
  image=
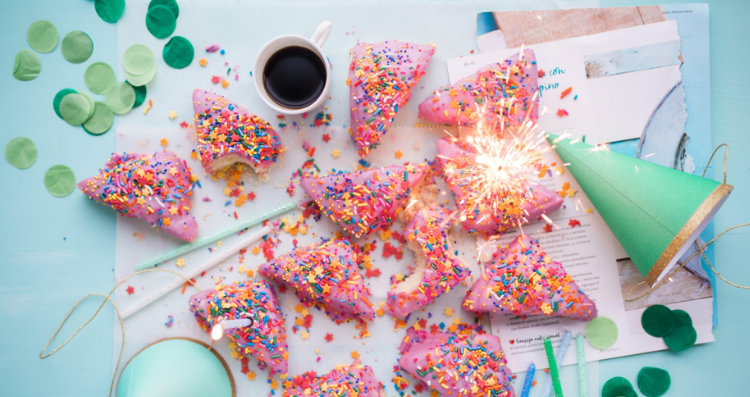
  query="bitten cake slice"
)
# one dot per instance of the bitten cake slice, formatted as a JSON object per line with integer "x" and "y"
{"x": 437, "y": 268}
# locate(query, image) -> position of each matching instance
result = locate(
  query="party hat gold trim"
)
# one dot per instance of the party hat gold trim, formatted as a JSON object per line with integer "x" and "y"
{"x": 692, "y": 224}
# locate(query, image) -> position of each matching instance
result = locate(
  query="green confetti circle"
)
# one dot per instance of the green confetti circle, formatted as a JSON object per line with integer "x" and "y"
{"x": 658, "y": 320}
{"x": 601, "y": 333}
{"x": 161, "y": 21}
{"x": 618, "y": 387}
{"x": 77, "y": 47}
{"x": 178, "y": 52}
{"x": 140, "y": 94}
{"x": 99, "y": 77}
{"x": 653, "y": 382}
{"x": 120, "y": 98}
{"x": 90, "y": 100}
{"x": 21, "y": 153}
{"x": 683, "y": 336}
{"x": 172, "y": 4}
{"x": 101, "y": 121}
{"x": 59, "y": 180}
{"x": 75, "y": 109}
{"x": 109, "y": 10}
{"x": 42, "y": 36}
{"x": 58, "y": 97}
{"x": 141, "y": 80}
{"x": 27, "y": 65}
{"x": 138, "y": 59}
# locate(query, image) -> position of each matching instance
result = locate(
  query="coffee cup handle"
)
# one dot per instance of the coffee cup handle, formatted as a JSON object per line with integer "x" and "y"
{"x": 321, "y": 33}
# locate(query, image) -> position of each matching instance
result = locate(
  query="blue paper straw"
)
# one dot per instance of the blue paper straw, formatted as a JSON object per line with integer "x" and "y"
{"x": 583, "y": 387}
{"x": 529, "y": 380}
{"x": 216, "y": 236}
{"x": 559, "y": 358}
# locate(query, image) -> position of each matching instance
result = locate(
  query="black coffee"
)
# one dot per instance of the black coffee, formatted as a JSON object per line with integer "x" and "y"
{"x": 294, "y": 77}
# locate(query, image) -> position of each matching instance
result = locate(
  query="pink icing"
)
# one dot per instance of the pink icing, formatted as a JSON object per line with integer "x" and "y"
{"x": 521, "y": 279}
{"x": 381, "y": 79}
{"x": 349, "y": 381}
{"x": 325, "y": 275}
{"x": 153, "y": 187}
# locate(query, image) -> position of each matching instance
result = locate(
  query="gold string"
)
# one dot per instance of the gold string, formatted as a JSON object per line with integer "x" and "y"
{"x": 699, "y": 247}
{"x": 119, "y": 317}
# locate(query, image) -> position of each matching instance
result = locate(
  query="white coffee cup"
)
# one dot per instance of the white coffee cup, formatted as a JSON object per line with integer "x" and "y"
{"x": 314, "y": 43}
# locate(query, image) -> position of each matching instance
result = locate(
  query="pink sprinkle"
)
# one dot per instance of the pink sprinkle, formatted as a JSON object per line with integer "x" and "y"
{"x": 236, "y": 77}
{"x": 213, "y": 47}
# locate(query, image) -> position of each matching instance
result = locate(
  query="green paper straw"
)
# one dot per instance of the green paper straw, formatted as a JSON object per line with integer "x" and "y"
{"x": 553, "y": 367}
{"x": 583, "y": 387}
{"x": 216, "y": 236}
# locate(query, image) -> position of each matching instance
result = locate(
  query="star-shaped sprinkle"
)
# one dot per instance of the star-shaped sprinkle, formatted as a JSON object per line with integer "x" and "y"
{"x": 203, "y": 62}
{"x": 130, "y": 290}
{"x": 180, "y": 262}
{"x": 184, "y": 124}
{"x": 329, "y": 338}
{"x": 251, "y": 196}
{"x": 326, "y": 138}
{"x": 562, "y": 112}
{"x": 305, "y": 335}
{"x": 164, "y": 142}
{"x": 448, "y": 312}
{"x": 355, "y": 354}
{"x": 336, "y": 153}
{"x": 547, "y": 228}
{"x": 574, "y": 222}
{"x": 224, "y": 83}
{"x": 173, "y": 210}
{"x": 541, "y": 73}
{"x": 215, "y": 79}
{"x": 172, "y": 115}
{"x": 250, "y": 375}
{"x": 398, "y": 154}
{"x": 274, "y": 384}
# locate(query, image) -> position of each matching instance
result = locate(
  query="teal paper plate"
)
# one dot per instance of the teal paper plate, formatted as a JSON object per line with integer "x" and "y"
{"x": 176, "y": 367}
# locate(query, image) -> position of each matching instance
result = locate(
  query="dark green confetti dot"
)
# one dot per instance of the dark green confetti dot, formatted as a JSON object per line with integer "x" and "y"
{"x": 653, "y": 382}
{"x": 109, "y": 10}
{"x": 618, "y": 387}
{"x": 178, "y": 52}
{"x": 172, "y": 4}
{"x": 683, "y": 336}
{"x": 58, "y": 97}
{"x": 140, "y": 94}
{"x": 658, "y": 320}
{"x": 161, "y": 21}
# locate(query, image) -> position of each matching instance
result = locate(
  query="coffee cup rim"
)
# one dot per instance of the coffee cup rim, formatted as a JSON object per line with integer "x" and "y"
{"x": 258, "y": 74}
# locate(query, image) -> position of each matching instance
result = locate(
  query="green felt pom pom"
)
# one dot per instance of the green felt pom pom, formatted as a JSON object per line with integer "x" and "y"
{"x": 27, "y": 65}
{"x": 59, "y": 180}
{"x": 109, "y": 10}
{"x": 658, "y": 320}
{"x": 683, "y": 336}
{"x": 77, "y": 47}
{"x": 172, "y": 4}
{"x": 161, "y": 21}
{"x": 58, "y": 97}
{"x": 653, "y": 382}
{"x": 42, "y": 36}
{"x": 618, "y": 387}
{"x": 178, "y": 52}
{"x": 21, "y": 153}
{"x": 601, "y": 333}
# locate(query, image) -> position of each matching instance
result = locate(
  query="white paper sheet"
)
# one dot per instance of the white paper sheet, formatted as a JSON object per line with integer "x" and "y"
{"x": 242, "y": 27}
{"x": 608, "y": 109}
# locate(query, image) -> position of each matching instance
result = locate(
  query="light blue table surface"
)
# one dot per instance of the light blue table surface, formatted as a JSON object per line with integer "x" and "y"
{"x": 43, "y": 271}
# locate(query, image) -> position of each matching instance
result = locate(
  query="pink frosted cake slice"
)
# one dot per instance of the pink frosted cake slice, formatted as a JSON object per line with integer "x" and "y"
{"x": 522, "y": 280}
{"x": 327, "y": 276}
{"x": 354, "y": 380}
{"x": 227, "y": 134}
{"x": 153, "y": 187}
{"x": 457, "y": 364}
{"x": 490, "y": 215}
{"x": 381, "y": 79}
{"x": 265, "y": 339}
{"x": 365, "y": 201}
{"x": 437, "y": 269}
{"x": 507, "y": 90}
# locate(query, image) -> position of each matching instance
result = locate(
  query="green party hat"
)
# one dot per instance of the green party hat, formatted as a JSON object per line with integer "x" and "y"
{"x": 655, "y": 212}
